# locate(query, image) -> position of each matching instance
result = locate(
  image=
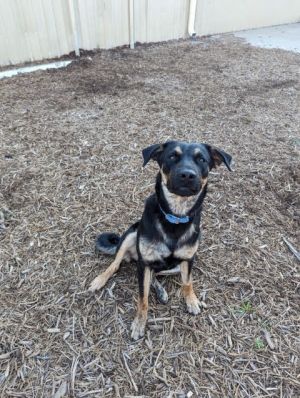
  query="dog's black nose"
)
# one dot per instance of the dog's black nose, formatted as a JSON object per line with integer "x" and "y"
{"x": 187, "y": 175}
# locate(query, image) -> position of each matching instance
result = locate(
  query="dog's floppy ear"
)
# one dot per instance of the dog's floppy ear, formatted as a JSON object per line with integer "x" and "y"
{"x": 219, "y": 156}
{"x": 152, "y": 152}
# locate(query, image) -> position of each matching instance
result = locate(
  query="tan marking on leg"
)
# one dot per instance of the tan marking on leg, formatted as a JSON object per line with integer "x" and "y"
{"x": 102, "y": 279}
{"x": 187, "y": 290}
{"x": 139, "y": 322}
{"x": 189, "y": 295}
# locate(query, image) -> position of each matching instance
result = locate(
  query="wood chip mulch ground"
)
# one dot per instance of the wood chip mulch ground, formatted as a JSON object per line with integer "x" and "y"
{"x": 70, "y": 167}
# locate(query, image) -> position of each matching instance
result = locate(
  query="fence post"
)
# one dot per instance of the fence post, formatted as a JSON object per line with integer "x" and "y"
{"x": 131, "y": 23}
{"x": 75, "y": 21}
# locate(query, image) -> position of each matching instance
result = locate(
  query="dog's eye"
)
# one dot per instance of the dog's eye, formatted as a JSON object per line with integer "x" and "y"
{"x": 200, "y": 159}
{"x": 173, "y": 156}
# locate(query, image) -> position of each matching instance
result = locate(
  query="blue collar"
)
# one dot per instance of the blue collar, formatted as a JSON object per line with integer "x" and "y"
{"x": 173, "y": 219}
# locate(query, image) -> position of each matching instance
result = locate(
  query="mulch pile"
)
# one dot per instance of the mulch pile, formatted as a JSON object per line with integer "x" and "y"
{"x": 71, "y": 167}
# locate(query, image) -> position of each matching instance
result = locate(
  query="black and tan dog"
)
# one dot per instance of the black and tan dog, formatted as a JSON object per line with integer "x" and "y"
{"x": 167, "y": 235}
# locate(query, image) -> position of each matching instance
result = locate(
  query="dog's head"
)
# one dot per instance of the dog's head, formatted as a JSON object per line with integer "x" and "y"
{"x": 184, "y": 167}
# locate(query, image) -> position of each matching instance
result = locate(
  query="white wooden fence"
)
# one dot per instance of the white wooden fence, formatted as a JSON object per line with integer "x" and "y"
{"x": 32, "y": 30}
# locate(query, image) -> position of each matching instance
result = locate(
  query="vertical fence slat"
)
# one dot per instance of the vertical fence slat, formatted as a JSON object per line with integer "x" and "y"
{"x": 32, "y": 30}
{"x": 75, "y": 22}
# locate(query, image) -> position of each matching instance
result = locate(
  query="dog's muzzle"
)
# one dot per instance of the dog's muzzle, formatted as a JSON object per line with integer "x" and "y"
{"x": 185, "y": 182}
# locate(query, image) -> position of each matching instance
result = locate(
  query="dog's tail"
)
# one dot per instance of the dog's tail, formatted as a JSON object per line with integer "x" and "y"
{"x": 108, "y": 243}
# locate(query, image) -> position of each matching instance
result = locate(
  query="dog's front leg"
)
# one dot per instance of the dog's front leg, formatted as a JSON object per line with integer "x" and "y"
{"x": 192, "y": 302}
{"x": 139, "y": 323}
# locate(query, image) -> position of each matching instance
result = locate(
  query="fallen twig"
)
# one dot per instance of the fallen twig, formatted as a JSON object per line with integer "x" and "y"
{"x": 129, "y": 373}
{"x": 292, "y": 248}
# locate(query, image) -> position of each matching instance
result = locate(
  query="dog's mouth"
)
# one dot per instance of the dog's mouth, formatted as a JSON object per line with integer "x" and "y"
{"x": 185, "y": 191}
{"x": 184, "y": 187}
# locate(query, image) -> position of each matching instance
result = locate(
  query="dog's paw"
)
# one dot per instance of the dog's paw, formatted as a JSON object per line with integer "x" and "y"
{"x": 193, "y": 305}
{"x": 97, "y": 283}
{"x": 138, "y": 328}
{"x": 162, "y": 296}
{"x": 161, "y": 293}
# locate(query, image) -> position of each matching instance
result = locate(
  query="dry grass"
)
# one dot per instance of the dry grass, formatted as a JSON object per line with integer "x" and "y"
{"x": 70, "y": 164}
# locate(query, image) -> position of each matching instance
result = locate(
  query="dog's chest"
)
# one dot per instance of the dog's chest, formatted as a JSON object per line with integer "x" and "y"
{"x": 164, "y": 247}
{"x": 179, "y": 204}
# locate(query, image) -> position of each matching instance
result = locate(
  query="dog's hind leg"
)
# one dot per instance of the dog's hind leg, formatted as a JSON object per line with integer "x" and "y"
{"x": 160, "y": 291}
{"x": 126, "y": 246}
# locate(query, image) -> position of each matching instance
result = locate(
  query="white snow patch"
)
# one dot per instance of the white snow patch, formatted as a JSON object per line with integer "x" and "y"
{"x": 28, "y": 69}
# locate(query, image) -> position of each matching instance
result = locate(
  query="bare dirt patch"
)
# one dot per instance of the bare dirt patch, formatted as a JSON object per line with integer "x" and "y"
{"x": 70, "y": 167}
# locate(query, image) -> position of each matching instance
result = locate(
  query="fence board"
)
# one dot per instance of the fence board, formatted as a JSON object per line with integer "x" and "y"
{"x": 32, "y": 30}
